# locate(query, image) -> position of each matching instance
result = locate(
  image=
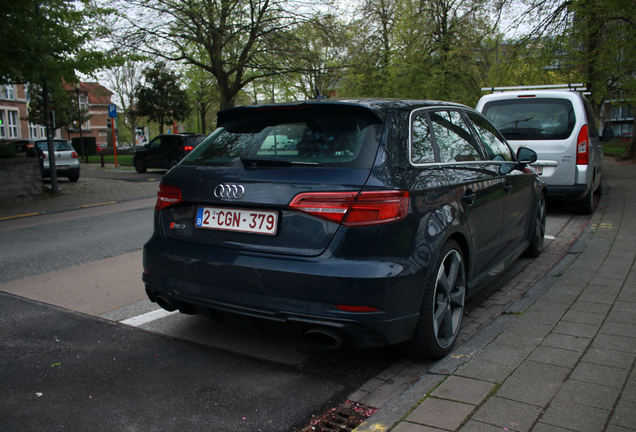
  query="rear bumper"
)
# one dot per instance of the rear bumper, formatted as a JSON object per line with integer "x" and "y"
{"x": 567, "y": 193}
{"x": 286, "y": 295}
{"x": 68, "y": 172}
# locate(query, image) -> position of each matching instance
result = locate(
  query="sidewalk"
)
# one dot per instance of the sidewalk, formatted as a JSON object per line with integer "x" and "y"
{"x": 561, "y": 358}
{"x": 88, "y": 191}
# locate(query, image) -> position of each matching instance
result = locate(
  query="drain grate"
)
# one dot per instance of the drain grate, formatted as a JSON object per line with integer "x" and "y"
{"x": 344, "y": 418}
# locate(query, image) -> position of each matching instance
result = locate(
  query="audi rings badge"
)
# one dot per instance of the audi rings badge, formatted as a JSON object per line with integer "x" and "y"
{"x": 229, "y": 191}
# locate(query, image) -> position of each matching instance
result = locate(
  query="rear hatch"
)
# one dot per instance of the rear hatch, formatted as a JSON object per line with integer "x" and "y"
{"x": 64, "y": 152}
{"x": 547, "y": 125}
{"x": 235, "y": 188}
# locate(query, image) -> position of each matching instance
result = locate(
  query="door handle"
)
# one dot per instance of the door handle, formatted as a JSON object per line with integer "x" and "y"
{"x": 469, "y": 197}
{"x": 507, "y": 188}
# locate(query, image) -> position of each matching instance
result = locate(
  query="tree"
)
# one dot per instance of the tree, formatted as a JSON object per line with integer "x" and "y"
{"x": 432, "y": 49}
{"x": 161, "y": 99}
{"x": 63, "y": 105}
{"x": 123, "y": 81}
{"x": 52, "y": 39}
{"x": 241, "y": 41}
{"x": 204, "y": 93}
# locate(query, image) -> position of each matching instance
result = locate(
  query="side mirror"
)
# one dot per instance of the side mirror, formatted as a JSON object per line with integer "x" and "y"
{"x": 526, "y": 156}
{"x": 608, "y": 134}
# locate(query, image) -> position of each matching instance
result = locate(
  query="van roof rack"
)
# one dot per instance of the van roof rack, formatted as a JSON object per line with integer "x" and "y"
{"x": 580, "y": 87}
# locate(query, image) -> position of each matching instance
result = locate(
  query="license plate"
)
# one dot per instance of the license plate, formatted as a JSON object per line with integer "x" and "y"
{"x": 62, "y": 166}
{"x": 249, "y": 221}
{"x": 537, "y": 169}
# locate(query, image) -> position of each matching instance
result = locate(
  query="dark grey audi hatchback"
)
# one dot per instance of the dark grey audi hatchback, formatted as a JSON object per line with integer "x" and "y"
{"x": 360, "y": 222}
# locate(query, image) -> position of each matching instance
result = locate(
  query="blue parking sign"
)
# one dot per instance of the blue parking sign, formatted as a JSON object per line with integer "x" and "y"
{"x": 112, "y": 111}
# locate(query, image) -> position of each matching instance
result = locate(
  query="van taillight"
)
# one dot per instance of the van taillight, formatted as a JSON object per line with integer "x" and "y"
{"x": 354, "y": 209}
{"x": 167, "y": 196}
{"x": 583, "y": 147}
{"x": 188, "y": 148}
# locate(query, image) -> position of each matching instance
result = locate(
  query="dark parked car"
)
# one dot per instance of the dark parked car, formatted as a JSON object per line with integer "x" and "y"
{"x": 373, "y": 231}
{"x": 165, "y": 151}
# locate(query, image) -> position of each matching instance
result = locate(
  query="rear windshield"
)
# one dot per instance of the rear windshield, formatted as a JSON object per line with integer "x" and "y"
{"x": 57, "y": 145}
{"x": 289, "y": 137}
{"x": 532, "y": 119}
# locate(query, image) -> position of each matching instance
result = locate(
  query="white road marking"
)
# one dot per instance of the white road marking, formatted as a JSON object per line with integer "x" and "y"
{"x": 142, "y": 319}
{"x": 549, "y": 237}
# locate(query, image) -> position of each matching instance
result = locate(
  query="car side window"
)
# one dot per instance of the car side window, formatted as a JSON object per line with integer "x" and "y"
{"x": 168, "y": 142}
{"x": 155, "y": 142}
{"x": 453, "y": 137}
{"x": 496, "y": 148}
{"x": 421, "y": 141}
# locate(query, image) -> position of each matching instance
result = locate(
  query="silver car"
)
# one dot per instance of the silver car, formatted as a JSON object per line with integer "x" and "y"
{"x": 559, "y": 125}
{"x": 67, "y": 162}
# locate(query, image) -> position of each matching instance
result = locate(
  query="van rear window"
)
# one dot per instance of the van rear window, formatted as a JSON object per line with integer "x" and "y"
{"x": 532, "y": 119}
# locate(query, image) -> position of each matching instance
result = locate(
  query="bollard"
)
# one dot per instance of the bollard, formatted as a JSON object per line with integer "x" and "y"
{"x": 102, "y": 155}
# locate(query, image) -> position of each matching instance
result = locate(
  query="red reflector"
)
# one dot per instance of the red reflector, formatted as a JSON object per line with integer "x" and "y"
{"x": 358, "y": 309}
{"x": 146, "y": 271}
{"x": 74, "y": 155}
{"x": 354, "y": 209}
{"x": 167, "y": 196}
{"x": 582, "y": 147}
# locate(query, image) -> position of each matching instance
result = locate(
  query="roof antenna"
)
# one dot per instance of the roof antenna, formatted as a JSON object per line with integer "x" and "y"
{"x": 319, "y": 96}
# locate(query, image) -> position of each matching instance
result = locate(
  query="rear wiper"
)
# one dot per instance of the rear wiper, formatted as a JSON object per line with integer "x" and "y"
{"x": 262, "y": 161}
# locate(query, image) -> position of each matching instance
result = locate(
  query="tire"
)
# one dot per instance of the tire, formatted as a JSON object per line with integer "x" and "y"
{"x": 172, "y": 162}
{"x": 598, "y": 190}
{"x": 586, "y": 205}
{"x": 74, "y": 178}
{"x": 442, "y": 306}
{"x": 140, "y": 166}
{"x": 538, "y": 231}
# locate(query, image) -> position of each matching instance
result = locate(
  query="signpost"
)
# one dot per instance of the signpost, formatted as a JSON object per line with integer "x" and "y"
{"x": 112, "y": 114}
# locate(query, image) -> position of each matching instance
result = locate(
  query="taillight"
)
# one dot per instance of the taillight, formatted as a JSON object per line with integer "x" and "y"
{"x": 354, "y": 209}
{"x": 74, "y": 155}
{"x": 167, "y": 196}
{"x": 188, "y": 148}
{"x": 583, "y": 147}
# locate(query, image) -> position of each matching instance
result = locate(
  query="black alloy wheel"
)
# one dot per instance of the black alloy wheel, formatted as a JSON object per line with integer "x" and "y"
{"x": 538, "y": 230}
{"x": 442, "y": 307}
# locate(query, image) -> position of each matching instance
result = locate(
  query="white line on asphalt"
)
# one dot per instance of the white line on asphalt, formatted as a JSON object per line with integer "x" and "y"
{"x": 549, "y": 237}
{"x": 142, "y": 319}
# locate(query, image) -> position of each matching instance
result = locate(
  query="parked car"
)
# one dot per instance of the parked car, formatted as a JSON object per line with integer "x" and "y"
{"x": 372, "y": 232}
{"x": 67, "y": 162}
{"x": 560, "y": 126}
{"x": 626, "y": 137}
{"x": 165, "y": 151}
{"x": 100, "y": 147}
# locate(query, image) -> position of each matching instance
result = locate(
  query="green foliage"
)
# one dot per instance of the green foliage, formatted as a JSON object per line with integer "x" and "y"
{"x": 7, "y": 151}
{"x": 50, "y": 38}
{"x": 162, "y": 99}
{"x": 63, "y": 104}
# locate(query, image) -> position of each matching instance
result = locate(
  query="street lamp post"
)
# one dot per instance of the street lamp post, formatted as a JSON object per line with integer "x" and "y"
{"x": 79, "y": 122}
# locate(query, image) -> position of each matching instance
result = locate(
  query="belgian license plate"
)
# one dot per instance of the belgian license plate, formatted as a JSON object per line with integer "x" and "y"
{"x": 250, "y": 221}
{"x": 62, "y": 166}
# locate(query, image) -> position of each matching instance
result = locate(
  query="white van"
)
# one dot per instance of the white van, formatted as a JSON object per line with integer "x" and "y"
{"x": 560, "y": 126}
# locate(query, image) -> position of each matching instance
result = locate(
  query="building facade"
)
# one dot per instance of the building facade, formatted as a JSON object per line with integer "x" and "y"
{"x": 14, "y": 106}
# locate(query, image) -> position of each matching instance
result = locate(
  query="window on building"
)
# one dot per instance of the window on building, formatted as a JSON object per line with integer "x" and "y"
{"x": 8, "y": 92}
{"x": 9, "y": 124}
